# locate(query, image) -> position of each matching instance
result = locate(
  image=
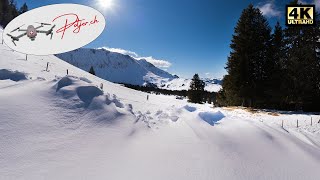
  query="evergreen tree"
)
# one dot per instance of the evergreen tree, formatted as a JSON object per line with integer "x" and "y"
{"x": 91, "y": 71}
{"x": 246, "y": 64}
{"x": 196, "y": 91}
{"x": 23, "y": 9}
{"x": 303, "y": 66}
{"x": 311, "y": 41}
{"x": 13, "y": 10}
{"x": 278, "y": 71}
{"x": 275, "y": 70}
{"x": 1, "y": 11}
{"x": 8, "y": 11}
{"x": 4, "y": 12}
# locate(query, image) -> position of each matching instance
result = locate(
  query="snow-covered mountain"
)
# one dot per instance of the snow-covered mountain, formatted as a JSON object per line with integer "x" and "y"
{"x": 115, "y": 67}
{"x": 120, "y": 68}
{"x": 58, "y": 126}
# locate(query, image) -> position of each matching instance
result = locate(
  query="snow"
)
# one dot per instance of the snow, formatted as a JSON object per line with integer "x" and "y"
{"x": 121, "y": 68}
{"x": 14, "y": 76}
{"x": 211, "y": 117}
{"x": 65, "y": 81}
{"x": 184, "y": 84}
{"x": 58, "y": 126}
{"x": 87, "y": 93}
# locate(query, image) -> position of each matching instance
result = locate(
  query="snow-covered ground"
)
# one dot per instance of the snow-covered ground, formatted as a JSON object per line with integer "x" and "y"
{"x": 54, "y": 126}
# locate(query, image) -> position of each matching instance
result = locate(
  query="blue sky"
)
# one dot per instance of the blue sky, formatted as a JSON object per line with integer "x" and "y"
{"x": 181, "y": 36}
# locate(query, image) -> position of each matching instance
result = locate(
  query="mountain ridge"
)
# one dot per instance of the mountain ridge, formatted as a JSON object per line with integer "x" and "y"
{"x": 121, "y": 68}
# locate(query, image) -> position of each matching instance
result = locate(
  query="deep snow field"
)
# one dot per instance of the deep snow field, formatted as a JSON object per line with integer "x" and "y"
{"x": 54, "y": 126}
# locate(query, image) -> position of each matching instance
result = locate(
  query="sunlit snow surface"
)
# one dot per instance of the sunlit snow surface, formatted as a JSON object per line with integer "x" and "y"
{"x": 54, "y": 126}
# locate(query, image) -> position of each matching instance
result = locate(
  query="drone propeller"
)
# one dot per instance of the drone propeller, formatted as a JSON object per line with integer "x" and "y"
{"x": 16, "y": 29}
{"x": 43, "y": 23}
{"x": 13, "y": 37}
{"x": 14, "y": 43}
{"x": 52, "y": 27}
{"x": 50, "y": 30}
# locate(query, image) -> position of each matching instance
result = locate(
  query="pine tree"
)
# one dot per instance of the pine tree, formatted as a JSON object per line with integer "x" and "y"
{"x": 275, "y": 70}
{"x": 1, "y": 11}
{"x": 246, "y": 64}
{"x": 13, "y": 10}
{"x": 196, "y": 90}
{"x": 4, "y": 13}
{"x": 303, "y": 66}
{"x": 311, "y": 60}
{"x": 91, "y": 71}
{"x": 8, "y": 11}
{"x": 23, "y": 9}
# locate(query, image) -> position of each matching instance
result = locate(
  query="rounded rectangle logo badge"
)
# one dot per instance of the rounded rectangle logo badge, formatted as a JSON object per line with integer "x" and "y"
{"x": 54, "y": 29}
{"x": 300, "y": 15}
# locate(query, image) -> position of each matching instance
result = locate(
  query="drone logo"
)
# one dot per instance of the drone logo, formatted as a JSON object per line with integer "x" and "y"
{"x": 31, "y": 32}
{"x": 53, "y": 29}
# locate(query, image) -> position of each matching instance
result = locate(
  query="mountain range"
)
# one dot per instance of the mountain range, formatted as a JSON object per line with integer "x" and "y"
{"x": 121, "y": 68}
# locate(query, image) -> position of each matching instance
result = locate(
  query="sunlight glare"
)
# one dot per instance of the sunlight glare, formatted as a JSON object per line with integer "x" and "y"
{"x": 106, "y": 4}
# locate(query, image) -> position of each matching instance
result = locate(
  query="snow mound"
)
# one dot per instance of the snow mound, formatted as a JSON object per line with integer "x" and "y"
{"x": 87, "y": 93}
{"x": 108, "y": 110}
{"x": 12, "y": 75}
{"x": 70, "y": 80}
{"x": 65, "y": 81}
{"x": 211, "y": 117}
{"x": 88, "y": 105}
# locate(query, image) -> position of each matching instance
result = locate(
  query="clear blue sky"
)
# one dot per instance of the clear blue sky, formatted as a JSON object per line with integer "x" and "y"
{"x": 193, "y": 35}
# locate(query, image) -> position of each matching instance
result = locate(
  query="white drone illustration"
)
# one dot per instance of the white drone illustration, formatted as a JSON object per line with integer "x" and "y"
{"x": 31, "y": 32}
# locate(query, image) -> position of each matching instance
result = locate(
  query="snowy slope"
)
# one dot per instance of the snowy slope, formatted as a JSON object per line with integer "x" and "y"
{"x": 114, "y": 66}
{"x": 120, "y": 68}
{"x": 54, "y": 126}
{"x": 151, "y": 68}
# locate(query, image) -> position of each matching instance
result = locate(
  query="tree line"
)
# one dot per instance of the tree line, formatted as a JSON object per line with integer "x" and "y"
{"x": 277, "y": 69}
{"x": 9, "y": 10}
